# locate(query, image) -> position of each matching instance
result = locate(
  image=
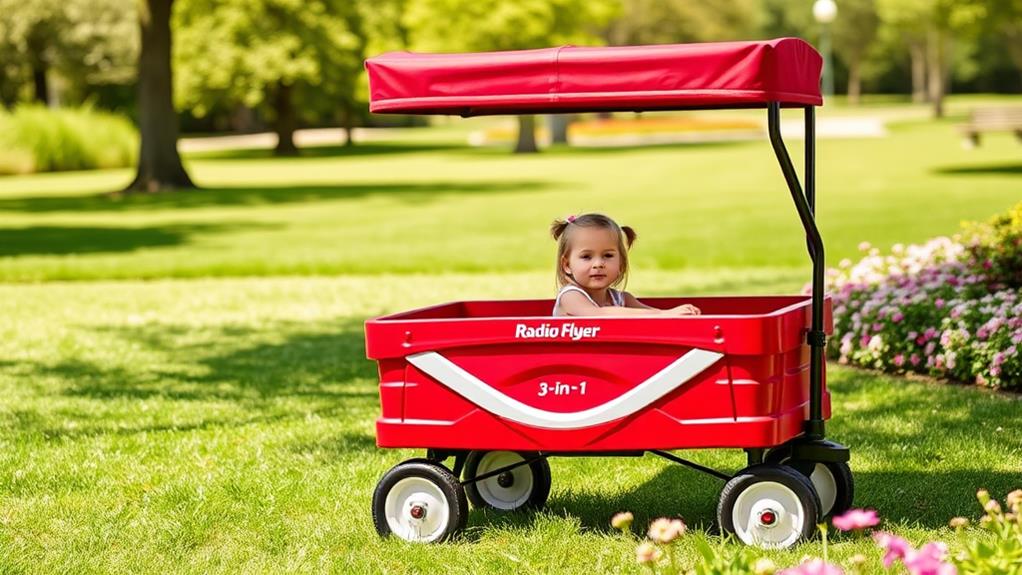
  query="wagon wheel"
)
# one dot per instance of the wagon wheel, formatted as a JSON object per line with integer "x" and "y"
{"x": 419, "y": 501}
{"x": 770, "y": 506}
{"x": 833, "y": 480}
{"x": 524, "y": 486}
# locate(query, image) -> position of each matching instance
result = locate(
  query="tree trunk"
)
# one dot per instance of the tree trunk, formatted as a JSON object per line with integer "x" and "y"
{"x": 159, "y": 165}
{"x": 917, "y": 53}
{"x": 39, "y": 84}
{"x": 559, "y": 128}
{"x": 286, "y": 122}
{"x": 935, "y": 71}
{"x": 854, "y": 82}
{"x": 526, "y": 135}
{"x": 347, "y": 122}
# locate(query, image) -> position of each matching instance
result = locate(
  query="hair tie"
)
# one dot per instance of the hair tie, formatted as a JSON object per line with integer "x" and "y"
{"x": 570, "y": 219}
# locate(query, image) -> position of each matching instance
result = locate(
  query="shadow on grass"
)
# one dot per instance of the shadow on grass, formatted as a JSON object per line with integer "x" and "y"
{"x": 62, "y": 240}
{"x": 329, "y": 151}
{"x": 322, "y": 371}
{"x": 982, "y": 170}
{"x": 421, "y": 192}
{"x": 907, "y": 498}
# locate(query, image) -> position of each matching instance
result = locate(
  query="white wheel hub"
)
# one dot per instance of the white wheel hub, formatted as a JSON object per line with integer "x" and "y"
{"x": 826, "y": 487}
{"x": 768, "y": 514}
{"x": 417, "y": 510}
{"x": 508, "y": 490}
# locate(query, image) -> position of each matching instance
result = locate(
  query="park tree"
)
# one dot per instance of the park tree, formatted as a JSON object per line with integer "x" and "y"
{"x": 677, "y": 21}
{"x": 854, "y": 31}
{"x": 930, "y": 28}
{"x": 81, "y": 42}
{"x": 290, "y": 59}
{"x": 489, "y": 25}
{"x": 1005, "y": 20}
{"x": 159, "y": 165}
{"x": 909, "y": 20}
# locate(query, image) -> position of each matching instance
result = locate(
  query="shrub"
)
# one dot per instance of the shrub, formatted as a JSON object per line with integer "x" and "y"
{"x": 950, "y": 307}
{"x": 38, "y": 139}
{"x": 997, "y": 247}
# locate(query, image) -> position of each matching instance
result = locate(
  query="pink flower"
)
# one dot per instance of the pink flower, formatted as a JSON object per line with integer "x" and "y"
{"x": 897, "y": 317}
{"x": 814, "y": 567}
{"x": 929, "y": 560}
{"x": 914, "y": 359}
{"x": 899, "y": 360}
{"x": 854, "y": 519}
{"x": 939, "y": 303}
{"x": 864, "y": 246}
{"x": 622, "y": 520}
{"x": 646, "y": 552}
{"x": 665, "y": 530}
{"x": 894, "y": 547}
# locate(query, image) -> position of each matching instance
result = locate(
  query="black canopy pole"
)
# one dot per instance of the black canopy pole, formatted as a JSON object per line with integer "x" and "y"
{"x": 805, "y": 204}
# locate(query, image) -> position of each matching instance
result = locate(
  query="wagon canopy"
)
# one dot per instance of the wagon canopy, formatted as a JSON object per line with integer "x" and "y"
{"x": 573, "y": 79}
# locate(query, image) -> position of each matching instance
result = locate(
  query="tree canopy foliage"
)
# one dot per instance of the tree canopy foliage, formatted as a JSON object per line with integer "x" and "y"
{"x": 86, "y": 43}
{"x": 289, "y": 62}
{"x": 290, "y": 59}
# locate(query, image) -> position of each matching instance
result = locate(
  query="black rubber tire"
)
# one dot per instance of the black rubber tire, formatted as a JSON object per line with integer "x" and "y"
{"x": 799, "y": 484}
{"x": 541, "y": 480}
{"x": 841, "y": 473}
{"x": 433, "y": 472}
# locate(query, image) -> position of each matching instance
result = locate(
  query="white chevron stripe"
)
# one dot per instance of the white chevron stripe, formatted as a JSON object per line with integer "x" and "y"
{"x": 478, "y": 392}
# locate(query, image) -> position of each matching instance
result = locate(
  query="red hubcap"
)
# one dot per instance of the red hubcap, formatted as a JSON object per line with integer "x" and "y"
{"x": 417, "y": 512}
{"x": 767, "y": 518}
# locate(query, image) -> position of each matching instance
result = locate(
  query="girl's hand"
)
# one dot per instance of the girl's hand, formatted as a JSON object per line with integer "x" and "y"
{"x": 685, "y": 309}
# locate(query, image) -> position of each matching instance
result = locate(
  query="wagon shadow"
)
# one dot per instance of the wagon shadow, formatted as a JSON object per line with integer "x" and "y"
{"x": 255, "y": 196}
{"x": 673, "y": 491}
{"x": 918, "y": 499}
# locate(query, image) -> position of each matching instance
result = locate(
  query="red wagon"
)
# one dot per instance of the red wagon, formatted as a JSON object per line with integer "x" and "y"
{"x": 500, "y": 386}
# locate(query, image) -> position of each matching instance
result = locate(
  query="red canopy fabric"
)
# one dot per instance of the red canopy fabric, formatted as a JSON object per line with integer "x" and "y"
{"x": 571, "y": 79}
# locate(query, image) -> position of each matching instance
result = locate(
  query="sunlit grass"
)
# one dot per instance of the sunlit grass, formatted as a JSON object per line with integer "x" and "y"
{"x": 415, "y": 205}
{"x": 227, "y": 426}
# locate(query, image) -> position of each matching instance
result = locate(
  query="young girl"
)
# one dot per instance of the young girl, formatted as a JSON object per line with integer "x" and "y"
{"x": 592, "y": 258}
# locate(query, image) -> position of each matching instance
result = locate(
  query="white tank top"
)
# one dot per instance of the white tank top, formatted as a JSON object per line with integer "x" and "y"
{"x": 616, "y": 298}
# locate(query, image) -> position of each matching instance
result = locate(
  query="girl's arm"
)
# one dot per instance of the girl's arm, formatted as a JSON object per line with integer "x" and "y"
{"x": 683, "y": 309}
{"x": 632, "y": 301}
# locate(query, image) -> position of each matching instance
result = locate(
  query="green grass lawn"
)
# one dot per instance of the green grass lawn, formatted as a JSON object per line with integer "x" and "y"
{"x": 416, "y": 206}
{"x": 205, "y": 426}
{"x": 194, "y": 401}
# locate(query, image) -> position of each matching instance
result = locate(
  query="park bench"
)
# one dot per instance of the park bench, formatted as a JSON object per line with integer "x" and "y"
{"x": 992, "y": 119}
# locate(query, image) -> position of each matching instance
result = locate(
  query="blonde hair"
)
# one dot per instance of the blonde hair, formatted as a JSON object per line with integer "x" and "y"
{"x": 561, "y": 231}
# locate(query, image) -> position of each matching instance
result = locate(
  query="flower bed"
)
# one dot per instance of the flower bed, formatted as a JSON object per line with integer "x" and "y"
{"x": 995, "y": 547}
{"x": 950, "y": 308}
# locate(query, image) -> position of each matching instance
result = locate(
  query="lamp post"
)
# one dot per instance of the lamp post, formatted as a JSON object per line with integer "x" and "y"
{"x": 825, "y": 11}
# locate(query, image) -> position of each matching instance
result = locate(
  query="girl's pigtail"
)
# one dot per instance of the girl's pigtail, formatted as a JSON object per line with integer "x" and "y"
{"x": 630, "y": 235}
{"x": 557, "y": 228}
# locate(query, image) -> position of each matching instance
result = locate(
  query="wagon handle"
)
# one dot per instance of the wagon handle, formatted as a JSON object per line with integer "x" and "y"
{"x": 805, "y": 205}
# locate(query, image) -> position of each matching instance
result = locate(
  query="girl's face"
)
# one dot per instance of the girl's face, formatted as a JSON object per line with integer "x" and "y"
{"x": 593, "y": 261}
